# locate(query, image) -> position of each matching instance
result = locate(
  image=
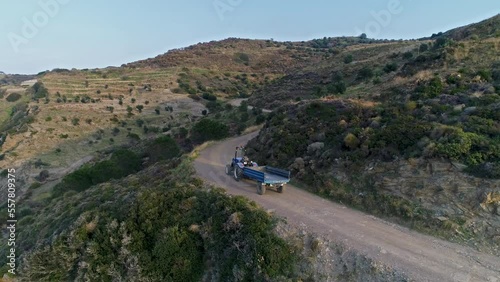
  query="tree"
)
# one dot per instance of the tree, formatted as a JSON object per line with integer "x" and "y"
{"x": 39, "y": 91}
{"x": 348, "y": 59}
{"x": 243, "y": 106}
{"x": 139, "y": 108}
{"x": 14, "y": 97}
{"x": 209, "y": 97}
{"x": 208, "y": 129}
{"x": 423, "y": 47}
{"x": 390, "y": 67}
{"x": 407, "y": 55}
{"x": 163, "y": 148}
{"x": 44, "y": 175}
{"x": 440, "y": 42}
{"x": 139, "y": 123}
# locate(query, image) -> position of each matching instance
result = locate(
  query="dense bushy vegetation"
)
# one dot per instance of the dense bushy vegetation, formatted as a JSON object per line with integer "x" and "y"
{"x": 353, "y": 132}
{"x": 208, "y": 129}
{"x": 332, "y": 145}
{"x": 159, "y": 225}
{"x": 121, "y": 163}
{"x": 162, "y": 148}
{"x": 39, "y": 91}
{"x": 14, "y": 97}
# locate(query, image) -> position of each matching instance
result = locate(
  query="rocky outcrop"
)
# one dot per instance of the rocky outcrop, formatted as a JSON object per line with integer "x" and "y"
{"x": 325, "y": 260}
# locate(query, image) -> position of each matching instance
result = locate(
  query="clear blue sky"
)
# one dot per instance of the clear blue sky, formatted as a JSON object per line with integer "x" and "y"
{"x": 91, "y": 33}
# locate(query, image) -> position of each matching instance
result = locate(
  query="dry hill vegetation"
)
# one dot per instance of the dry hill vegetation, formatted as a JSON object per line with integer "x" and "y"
{"x": 407, "y": 130}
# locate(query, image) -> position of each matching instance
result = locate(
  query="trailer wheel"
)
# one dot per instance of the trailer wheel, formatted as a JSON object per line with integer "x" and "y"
{"x": 281, "y": 188}
{"x": 261, "y": 189}
{"x": 228, "y": 169}
{"x": 237, "y": 173}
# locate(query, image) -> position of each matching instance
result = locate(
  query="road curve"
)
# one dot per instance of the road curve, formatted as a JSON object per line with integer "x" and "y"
{"x": 421, "y": 257}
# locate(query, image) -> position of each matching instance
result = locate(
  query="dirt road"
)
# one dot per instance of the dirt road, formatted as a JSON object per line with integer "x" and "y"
{"x": 421, "y": 257}
{"x": 237, "y": 103}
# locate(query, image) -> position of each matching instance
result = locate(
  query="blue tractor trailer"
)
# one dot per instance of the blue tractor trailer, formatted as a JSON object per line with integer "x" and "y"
{"x": 265, "y": 176}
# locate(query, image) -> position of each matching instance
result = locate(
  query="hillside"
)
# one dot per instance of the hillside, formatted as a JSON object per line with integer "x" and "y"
{"x": 482, "y": 30}
{"x": 405, "y": 130}
{"x": 162, "y": 224}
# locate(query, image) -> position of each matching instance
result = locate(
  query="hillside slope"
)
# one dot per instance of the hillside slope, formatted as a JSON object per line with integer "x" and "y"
{"x": 408, "y": 130}
{"x": 420, "y": 257}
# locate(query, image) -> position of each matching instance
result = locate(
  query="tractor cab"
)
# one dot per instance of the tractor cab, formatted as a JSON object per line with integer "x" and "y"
{"x": 241, "y": 159}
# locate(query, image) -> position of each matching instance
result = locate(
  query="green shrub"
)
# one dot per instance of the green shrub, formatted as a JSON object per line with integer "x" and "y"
{"x": 456, "y": 144}
{"x": 208, "y": 129}
{"x": 440, "y": 42}
{"x": 213, "y": 106}
{"x": 390, "y": 67}
{"x": 485, "y": 170}
{"x": 432, "y": 89}
{"x": 39, "y": 91}
{"x": 351, "y": 141}
{"x": 242, "y": 58}
{"x": 408, "y": 55}
{"x": 348, "y": 59}
{"x": 139, "y": 122}
{"x": 122, "y": 163}
{"x": 163, "y": 148}
{"x": 133, "y": 136}
{"x": 209, "y": 97}
{"x": 402, "y": 134}
{"x": 128, "y": 161}
{"x": 485, "y": 75}
{"x": 14, "y": 97}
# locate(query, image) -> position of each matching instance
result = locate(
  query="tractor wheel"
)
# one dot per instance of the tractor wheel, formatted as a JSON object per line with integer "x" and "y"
{"x": 281, "y": 188}
{"x": 237, "y": 173}
{"x": 228, "y": 169}
{"x": 261, "y": 189}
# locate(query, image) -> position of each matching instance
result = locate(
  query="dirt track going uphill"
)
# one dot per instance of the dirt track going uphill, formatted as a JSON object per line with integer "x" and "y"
{"x": 421, "y": 257}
